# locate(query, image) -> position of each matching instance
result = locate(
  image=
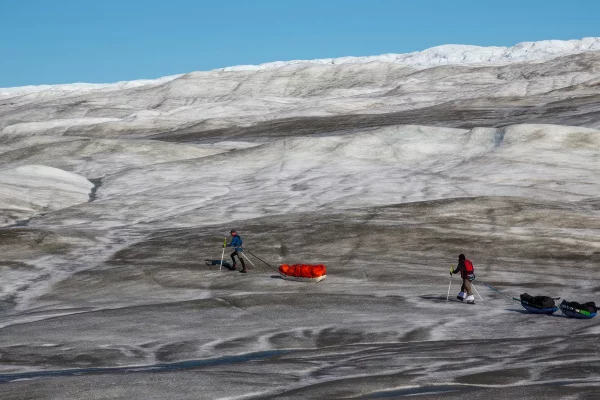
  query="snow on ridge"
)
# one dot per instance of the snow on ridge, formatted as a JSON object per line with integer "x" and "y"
{"x": 82, "y": 87}
{"x": 452, "y": 54}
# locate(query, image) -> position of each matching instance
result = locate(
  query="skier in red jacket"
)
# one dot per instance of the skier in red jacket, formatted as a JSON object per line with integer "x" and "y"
{"x": 467, "y": 273}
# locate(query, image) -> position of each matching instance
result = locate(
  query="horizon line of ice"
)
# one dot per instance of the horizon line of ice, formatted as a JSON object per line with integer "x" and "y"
{"x": 454, "y": 54}
{"x": 448, "y": 54}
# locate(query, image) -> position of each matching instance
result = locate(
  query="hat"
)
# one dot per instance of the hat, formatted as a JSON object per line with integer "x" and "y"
{"x": 461, "y": 257}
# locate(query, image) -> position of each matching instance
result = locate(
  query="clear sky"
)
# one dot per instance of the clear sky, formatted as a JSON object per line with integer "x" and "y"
{"x": 64, "y": 41}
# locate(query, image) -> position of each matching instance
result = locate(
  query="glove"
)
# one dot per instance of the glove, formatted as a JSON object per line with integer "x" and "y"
{"x": 451, "y": 269}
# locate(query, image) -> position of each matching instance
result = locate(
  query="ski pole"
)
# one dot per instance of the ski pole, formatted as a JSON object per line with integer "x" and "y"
{"x": 242, "y": 253}
{"x": 450, "y": 284}
{"x": 223, "y": 254}
{"x": 476, "y": 291}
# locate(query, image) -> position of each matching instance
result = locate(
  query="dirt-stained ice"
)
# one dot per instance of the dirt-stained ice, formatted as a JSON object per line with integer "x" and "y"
{"x": 113, "y": 196}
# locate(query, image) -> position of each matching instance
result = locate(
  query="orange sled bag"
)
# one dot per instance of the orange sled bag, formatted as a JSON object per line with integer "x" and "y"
{"x": 303, "y": 272}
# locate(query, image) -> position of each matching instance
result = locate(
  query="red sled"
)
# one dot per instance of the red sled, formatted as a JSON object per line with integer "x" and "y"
{"x": 303, "y": 272}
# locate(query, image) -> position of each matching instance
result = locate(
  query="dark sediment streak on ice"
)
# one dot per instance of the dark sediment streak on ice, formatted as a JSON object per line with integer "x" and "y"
{"x": 20, "y": 223}
{"x": 97, "y": 183}
{"x": 190, "y": 364}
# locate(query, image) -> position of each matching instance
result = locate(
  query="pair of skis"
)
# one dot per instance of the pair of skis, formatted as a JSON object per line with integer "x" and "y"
{"x": 450, "y": 284}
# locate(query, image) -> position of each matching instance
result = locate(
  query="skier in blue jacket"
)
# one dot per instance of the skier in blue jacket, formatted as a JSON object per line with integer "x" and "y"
{"x": 236, "y": 243}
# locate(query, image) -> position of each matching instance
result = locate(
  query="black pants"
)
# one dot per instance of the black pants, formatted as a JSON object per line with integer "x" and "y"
{"x": 235, "y": 253}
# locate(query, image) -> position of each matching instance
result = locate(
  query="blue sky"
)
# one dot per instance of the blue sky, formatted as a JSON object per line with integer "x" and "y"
{"x": 63, "y": 41}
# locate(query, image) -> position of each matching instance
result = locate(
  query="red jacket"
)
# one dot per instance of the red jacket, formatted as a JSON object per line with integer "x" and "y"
{"x": 465, "y": 267}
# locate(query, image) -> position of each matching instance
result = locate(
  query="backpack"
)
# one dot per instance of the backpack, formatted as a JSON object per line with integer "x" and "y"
{"x": 469, "y": 271}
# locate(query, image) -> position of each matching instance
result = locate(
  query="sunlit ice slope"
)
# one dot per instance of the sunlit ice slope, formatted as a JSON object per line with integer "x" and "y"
{"x": 356, "y": 169}
{"x": 307, "y": 97}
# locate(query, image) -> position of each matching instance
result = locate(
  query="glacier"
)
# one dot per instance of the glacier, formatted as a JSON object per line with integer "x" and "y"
{"x": 384, "y": 168}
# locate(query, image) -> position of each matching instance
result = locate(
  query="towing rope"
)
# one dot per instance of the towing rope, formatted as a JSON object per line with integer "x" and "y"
{"x": 260, "y": 259}
{"x": 503, "y": 294}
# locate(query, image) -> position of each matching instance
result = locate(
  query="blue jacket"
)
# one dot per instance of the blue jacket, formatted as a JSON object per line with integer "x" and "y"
{"x": 236, "y": 243}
